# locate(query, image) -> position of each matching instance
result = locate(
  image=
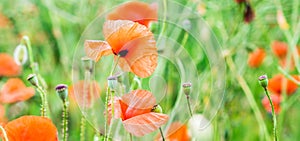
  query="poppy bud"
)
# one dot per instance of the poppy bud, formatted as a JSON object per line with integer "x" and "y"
{"x": 248, "y": 13}
{"x": 112, "y": 82}
{"x": 32, "y": 78}
{"x": 62, "y": 91}
{"x": 88, "y": 64}
{"x": 20, "y": 54}
{"x": 263, "y": 81}
{"x": 187, "y": 88}
{"x": 157, "y": 109}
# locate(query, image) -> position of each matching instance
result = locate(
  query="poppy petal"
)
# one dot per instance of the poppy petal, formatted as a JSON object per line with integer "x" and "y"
{"x": 145, "y": 123}
{"x": 8, "y": 67}
{"x": 137, "y": 102}
{"x": 95, "y": 49}
{"x": 77, "y": 93}
{"x": 117, "y": 109}
{"x": 111, "y": 26}
{"x": 142, "y": 56}
{"x": 135, "y": 44}
{"x": 31, "y": 128}
{"x": 135, "y": 11}
{"x": 14, "y": 90}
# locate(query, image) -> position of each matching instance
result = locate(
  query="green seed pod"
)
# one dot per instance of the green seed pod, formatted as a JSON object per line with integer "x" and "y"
{"x": 187, "y": 88}
{"x": 263, "y": 81}
{"x": 62, "y": 91}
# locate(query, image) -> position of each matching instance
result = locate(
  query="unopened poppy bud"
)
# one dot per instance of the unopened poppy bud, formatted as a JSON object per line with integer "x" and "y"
{"x": 88, "y": 64}
{"x": 157, "y": 109}
{"x": 20, "y": 54}
{"x": 263, "y": 81}
{"x": 112, "y": 82}
{"x": 32, "y": 78}
{"x": 187, "y": 88}
{"x": 62, "y": 91}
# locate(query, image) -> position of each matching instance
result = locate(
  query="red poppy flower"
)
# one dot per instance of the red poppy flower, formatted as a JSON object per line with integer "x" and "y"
{"x": 31, "y": 128}
{"x": 135, "y": 111}
{"x": 256, "y": 57}
{"x": 140, "y": 12}
{"x": 283, "y": 63}
{"x": 177, "y": 132}
{"x": 276, "y": 99}
{"x": 132, "y": 42}
{"x": 77, "y": 90}
{"x": 279, "y": 49}
{"x": 14, "y": 90}
{"x": 8, "y": 67}
{"x": 275, "y": 84}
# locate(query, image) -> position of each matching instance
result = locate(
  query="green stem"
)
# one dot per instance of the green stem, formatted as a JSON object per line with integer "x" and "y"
{"x": 273, "y": 114}
{"x": 82, "y": 128}
{"x": 43, "y": 109}
{"x": 162, "y": 134}
{"x": 131, "y": 138}
{"x": 4, "y": 133}
{"x": 44, "y": 100}
{"x": 115, "y": 65}
{"x": 65, "y": 121}
{"x": 250, "y": 97}
{"x": 189, "y": 104}
{"x": 108, "y": 93}
{"x": 106, "y": 113}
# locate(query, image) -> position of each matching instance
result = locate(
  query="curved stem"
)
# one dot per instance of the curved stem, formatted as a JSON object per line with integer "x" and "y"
{"x": 162, "y": 134}
{"x": 273, "y": 114}
{"x": 4, "y": 133}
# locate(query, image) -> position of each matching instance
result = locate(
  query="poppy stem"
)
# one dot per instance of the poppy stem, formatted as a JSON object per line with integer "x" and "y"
{"x": 131, "y": 138}
{"x": 162, "y": 134}
{"x": 273, "y": 114}
{"x": 44, "y": 100}
{"x": 106, "y": 113}
{"x": 65, "y": 121}
{"x": 4, "y": 133}
{"x": 189, "y": 104}
{"x": 82, "y": 128}
{"x": 43, "y": 109}
{"x": 249, "y": 95}
{"x": 115, "y": 65}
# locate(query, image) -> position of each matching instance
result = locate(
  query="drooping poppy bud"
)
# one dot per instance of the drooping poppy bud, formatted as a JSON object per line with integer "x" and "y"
{"x": 32, "y": 78}
{"x": 20, "y": 54}
{"x": 157, "y": 109}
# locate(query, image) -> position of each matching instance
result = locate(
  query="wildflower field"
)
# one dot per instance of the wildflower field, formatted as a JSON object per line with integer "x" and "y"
{"x": 144, "y": 70}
